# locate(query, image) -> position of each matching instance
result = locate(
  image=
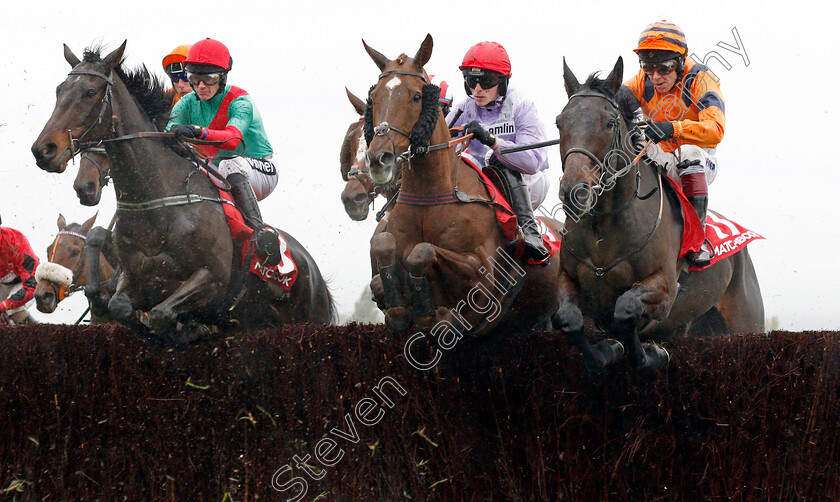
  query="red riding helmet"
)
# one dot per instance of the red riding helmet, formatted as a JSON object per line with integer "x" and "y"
{"x": 209, "y": 52}
{"x": 487, "y": 56}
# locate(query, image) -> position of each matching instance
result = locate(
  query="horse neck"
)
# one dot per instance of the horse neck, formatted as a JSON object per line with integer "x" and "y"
{"x": 435, "y": 171}
{"x": 140, "y": 168}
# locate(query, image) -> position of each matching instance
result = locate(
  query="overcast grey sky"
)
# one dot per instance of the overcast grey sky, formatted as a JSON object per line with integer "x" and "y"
{"x": 778, "y": 175}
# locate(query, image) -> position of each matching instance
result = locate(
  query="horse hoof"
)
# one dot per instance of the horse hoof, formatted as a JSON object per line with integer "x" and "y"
{"x": 399, "y": 319}
{"x": 612, "y": 350}
{"x": 162, "y": 322}
{"x": 656, "y": 357}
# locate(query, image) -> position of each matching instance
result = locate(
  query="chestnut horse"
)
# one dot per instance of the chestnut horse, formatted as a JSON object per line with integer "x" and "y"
{"x": 67, "y": 269}
{"x": 622, "y": 240}
{"x": 172, "y": 239}
{"x": 443, "y": 259}
{"x": 360, "y": 191}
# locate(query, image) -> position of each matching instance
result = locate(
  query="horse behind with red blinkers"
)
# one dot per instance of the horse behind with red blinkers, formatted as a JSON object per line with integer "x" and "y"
{"x": 443, "y": 259}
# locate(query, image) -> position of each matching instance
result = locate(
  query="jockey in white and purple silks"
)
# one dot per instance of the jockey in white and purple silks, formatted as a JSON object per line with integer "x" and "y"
{"x": 500, "y": 117}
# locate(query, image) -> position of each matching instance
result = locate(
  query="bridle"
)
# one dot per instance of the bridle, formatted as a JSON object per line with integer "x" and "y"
{"x": 104, "y": 174}
{"x": 607, "y": 180}
{"x": 65, "y": 290}
{"x": 76, "y": 146}
{"x": 384, "y": 129}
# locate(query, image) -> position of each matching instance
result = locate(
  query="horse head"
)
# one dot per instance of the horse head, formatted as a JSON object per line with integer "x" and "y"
{"x": 94, "y": 173}
{"x": 359, "y": 191}
{"x": 402, "y": 112}
{"x": 82, "y": 111}
{"x": 592, "y": 131}
{"x": 64, "y": 273}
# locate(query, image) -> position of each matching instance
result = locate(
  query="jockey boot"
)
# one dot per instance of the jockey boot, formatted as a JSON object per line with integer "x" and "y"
{"x": 520, "y": 201}
{"x": 703, "y": 257}
{"x": 265, "y": 237}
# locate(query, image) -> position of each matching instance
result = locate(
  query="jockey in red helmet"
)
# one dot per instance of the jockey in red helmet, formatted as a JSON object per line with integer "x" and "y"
{"x": 501, "y": 117}
{"x": 685, "y": 115}
{"x": 227, "y": 114}
{"x": 17, "y": 275}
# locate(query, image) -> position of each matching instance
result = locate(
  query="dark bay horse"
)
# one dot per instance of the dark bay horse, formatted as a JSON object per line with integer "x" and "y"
{"x": 622, "y": 239}
{"x": 172, "y": 239}
{"x": 442, "y": 259}
{"x": 94, "y": 167}
{"x": 66, "y": 270}
{"x": 360, "y": 191}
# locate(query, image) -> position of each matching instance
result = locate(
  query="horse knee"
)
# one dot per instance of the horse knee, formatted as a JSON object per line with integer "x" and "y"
{"x": 420, "y": 260}
{"x": 568, "y": 319}
{"x": 97, "y": 236}
{"x": 119, "y": 307}
{"x": 628, "y": 308}
{"x": 383, "y": 247}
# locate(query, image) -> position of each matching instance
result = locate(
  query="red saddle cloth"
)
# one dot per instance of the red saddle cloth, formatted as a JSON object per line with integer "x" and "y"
{"x": 725, "y": 236}
{"x": 507, "y": 218}
{"x": 284, "y": 274}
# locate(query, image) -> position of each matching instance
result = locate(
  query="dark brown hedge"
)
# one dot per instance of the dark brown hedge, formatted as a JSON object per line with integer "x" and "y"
{"x": 90, "y": 413}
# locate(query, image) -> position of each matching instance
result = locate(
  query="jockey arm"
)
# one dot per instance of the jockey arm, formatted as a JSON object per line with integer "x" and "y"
{"x": 18, "y": 259}
{"x": 529, "y": 130}
{"x": 707, "y": 130}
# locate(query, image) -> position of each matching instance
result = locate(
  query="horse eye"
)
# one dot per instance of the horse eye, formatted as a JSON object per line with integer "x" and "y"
{"x": 74, "y": 253}
{"x": 90, "y": 93}
{"x": 612, "y": 124}
{"x": 417, "y": 97}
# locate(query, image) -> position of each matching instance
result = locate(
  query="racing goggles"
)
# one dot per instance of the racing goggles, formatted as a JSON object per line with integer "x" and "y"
{"x": 207, "y": 78}
{"x": 178, "y": 76}
{"x": 662, "y": 68}
{"x": 486, "y": 81}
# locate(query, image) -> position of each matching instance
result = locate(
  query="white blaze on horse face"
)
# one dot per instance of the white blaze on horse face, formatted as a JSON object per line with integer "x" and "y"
{"x": 395, "y": 81}
{"x": 360, "y": 150}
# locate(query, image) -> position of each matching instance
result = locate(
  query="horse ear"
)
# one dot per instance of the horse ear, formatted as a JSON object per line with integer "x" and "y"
{"x": 572, "y": 84}
{"x": 62, "y": 223}
{"x": 113, "y": 59}
{"x": 86, "y": 226}
{"x": 358, "y": 104}
{"x": 424, "y": 53}
{"x": 616, "y": 75}
{"x": 70, "y": 57}
{"x": 378, "y": 58}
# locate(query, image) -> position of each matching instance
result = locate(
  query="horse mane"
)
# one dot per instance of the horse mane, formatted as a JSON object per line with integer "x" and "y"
{"x": 149, "y": 90}
{"x": 628, "y": 103}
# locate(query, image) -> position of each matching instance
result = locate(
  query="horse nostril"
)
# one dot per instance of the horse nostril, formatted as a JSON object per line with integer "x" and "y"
{"x": 46, "y": 151}
{"x": 386, "y": 158}
{"x": 361, "y": 198}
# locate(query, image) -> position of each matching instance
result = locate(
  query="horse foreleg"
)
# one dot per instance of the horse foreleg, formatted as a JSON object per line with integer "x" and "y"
{"x": 192, "y": 295}
{"x": 97, "y": 237}
{"x": 419, "y": 263}
{"x": 569, "y": 320}
{"x": 648, "y": 300}
{"x": 398, "y": 317}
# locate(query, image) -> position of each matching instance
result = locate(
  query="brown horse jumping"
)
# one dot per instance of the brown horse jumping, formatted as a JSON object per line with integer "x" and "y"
{"x": 623, "y": 232}
{"x": 360, "y": 191}
{"x": 172, "y": 239}
{"x": 442, "y": 259}
{"x": 67, "y": 269}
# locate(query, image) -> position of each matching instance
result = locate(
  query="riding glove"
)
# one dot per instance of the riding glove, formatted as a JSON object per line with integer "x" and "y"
{"x": 659, "y": 131}
{"x": 479, "y": 133}
{"x": 186, "y": 131}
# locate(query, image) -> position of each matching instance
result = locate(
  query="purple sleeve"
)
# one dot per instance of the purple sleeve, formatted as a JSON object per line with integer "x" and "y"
{"x": 529, "y": 130}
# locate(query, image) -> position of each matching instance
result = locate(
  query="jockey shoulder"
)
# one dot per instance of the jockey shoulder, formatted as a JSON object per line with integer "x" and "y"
{"x": 17, "y": 266}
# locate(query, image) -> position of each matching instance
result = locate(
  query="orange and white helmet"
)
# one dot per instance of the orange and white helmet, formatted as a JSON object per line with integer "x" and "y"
{"x": 178, "y": 55}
